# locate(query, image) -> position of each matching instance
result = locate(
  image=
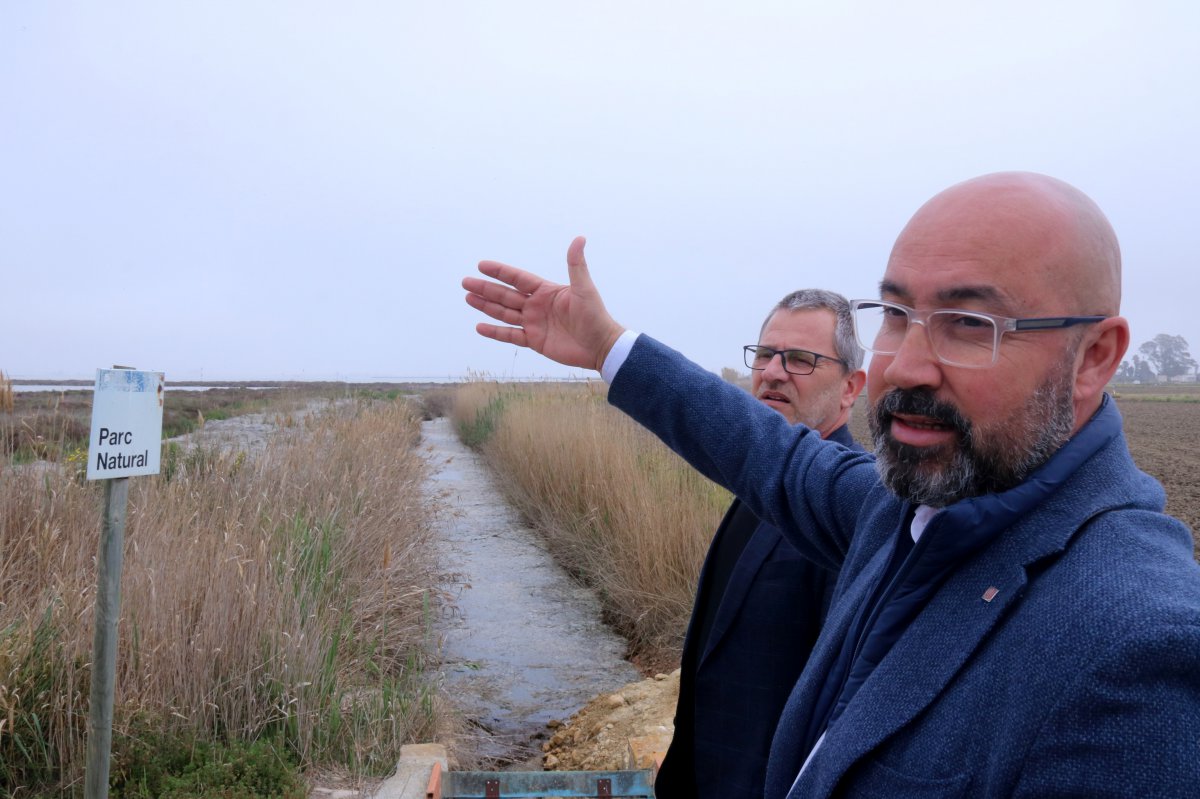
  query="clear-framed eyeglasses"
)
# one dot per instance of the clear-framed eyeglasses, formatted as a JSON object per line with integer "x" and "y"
{"x": 959, "y": 338}
{"x": 796, "y": 362}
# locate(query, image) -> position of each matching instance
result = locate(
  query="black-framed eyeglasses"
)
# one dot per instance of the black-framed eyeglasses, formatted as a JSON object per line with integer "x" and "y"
{"x": 795, "y": 362}
{"x": 959, "y": 338}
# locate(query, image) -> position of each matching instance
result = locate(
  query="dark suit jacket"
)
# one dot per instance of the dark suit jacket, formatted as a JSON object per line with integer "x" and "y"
{"x": 758, "y": 611}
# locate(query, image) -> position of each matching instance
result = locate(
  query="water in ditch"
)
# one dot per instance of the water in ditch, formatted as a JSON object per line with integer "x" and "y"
{"x": 523, "y": 643}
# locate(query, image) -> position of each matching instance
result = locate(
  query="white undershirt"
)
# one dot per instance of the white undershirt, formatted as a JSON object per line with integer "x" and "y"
{"x": 617, "y": 355}
{"x": 921, "y": 517}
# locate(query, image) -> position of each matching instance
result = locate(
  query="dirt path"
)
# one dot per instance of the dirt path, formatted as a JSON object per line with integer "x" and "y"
{"x": 524, "y": 643}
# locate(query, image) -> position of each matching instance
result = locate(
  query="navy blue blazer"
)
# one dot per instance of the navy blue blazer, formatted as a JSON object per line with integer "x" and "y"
{"x": 758, "y": 610}
{"x": 1060, "y": 659}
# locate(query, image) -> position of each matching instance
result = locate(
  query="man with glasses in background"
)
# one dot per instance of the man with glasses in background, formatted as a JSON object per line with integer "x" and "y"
{"x": 1014, "y": 614}
{"x": 760, "y": 603}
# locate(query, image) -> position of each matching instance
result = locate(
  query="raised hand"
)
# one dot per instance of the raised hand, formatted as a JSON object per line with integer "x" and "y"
{"x": 568, "y": 324}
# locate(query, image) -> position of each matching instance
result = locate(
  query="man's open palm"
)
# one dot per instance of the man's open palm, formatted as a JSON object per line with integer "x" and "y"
{"x": 568, "y": 324}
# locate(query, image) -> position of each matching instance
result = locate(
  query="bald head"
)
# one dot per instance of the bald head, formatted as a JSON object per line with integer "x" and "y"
{"x": 1042, "y": 237}
{"x": 1020, "y": 245}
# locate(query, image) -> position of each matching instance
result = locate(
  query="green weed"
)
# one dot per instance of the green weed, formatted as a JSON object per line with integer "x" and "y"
{"x": 477, "y": 431}
{"x": 149, "y": 766}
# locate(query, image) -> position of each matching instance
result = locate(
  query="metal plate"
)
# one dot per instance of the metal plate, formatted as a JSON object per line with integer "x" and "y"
{"x": 539, "y": 784}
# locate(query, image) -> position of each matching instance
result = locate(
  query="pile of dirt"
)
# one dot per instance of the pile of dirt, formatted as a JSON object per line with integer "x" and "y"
{"x": 597, "y": 737}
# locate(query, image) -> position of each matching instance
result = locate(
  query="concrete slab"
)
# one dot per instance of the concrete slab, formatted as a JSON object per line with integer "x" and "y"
{"x": 412, "y": 772}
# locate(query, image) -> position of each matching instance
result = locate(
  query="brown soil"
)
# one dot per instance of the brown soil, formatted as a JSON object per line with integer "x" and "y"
{"x": 1164, "y": 438}
{"x": 596, "y": 738}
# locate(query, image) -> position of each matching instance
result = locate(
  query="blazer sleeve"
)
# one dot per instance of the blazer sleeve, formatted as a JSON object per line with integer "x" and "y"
{"x": 811, "y": 489}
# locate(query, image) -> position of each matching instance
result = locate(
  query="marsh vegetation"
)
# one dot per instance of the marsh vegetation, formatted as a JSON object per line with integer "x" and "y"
{"x": 275, "y": 608}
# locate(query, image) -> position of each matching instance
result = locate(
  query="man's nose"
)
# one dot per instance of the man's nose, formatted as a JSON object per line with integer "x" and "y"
{"x": 915, "y": 363}
{"x": 774, "y": 369}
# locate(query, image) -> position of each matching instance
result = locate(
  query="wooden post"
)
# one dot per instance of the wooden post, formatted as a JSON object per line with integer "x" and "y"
{"x": 104, "y": 641}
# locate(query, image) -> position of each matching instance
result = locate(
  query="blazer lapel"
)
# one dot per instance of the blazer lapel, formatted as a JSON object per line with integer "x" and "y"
{"x": 964, "y": 610}
{"x": 760, "y": 546}
{"x": 908, "y": 679}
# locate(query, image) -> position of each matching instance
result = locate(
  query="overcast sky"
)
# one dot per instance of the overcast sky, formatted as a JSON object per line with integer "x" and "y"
{"x": 250, "y": 189}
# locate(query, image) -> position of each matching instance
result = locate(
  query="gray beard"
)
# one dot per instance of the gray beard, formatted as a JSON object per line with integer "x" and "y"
{"x": 985, "y": 460}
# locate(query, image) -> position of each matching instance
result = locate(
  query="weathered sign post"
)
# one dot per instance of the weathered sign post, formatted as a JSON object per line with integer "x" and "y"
{"x": 126, "y": 441}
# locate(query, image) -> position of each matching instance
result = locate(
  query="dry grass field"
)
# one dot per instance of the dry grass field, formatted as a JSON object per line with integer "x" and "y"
{"x": 49, "y": 425}
{"x": 281, "y": 597}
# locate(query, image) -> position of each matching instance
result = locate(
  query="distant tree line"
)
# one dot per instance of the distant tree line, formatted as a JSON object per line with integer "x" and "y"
{"x": 1163, "y": 357}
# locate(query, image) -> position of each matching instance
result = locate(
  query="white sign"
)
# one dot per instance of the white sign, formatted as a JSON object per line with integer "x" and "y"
{"x": 126, "y": 424}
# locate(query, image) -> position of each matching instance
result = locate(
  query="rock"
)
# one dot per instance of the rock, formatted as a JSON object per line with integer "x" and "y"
{"x": 597, "y": 737}
{"x": 646, "y": 751}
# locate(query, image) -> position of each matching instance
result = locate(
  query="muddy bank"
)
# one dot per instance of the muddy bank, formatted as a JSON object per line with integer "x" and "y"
{"x": 523, "y": 643}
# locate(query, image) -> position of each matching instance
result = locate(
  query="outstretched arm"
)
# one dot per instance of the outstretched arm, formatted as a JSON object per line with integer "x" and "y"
{"x": 568, "y": 324}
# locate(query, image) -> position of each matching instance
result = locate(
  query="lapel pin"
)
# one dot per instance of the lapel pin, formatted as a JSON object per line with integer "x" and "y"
{"x": 990, "y": 594}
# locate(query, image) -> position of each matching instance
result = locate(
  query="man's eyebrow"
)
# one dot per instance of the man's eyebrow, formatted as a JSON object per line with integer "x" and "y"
{"x": 987, "y": 294}
{"x": 889, "y": 288}
{"x": 958, "y": 294}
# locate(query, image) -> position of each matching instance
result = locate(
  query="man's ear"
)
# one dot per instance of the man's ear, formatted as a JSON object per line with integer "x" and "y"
{"x": 1099, "y": 357}
{"x": 852, "y": 387}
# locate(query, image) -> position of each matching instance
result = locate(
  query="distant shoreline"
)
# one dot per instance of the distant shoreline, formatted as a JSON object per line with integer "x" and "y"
{"x": 38, "y": 381}
{"x": 79, "y": 383}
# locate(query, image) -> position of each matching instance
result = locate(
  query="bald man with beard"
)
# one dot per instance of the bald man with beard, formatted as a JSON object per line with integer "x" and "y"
{"x": 1014, "y": 614}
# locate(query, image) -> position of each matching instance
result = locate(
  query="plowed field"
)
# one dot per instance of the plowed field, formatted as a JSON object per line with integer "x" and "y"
{"x": 1164, "y": 438}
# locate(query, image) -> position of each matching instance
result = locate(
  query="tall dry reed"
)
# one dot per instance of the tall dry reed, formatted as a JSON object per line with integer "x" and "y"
{"x": 284, "y": 595}
{"x": 6, "y": 394}
{"x": 617, "y": 507}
